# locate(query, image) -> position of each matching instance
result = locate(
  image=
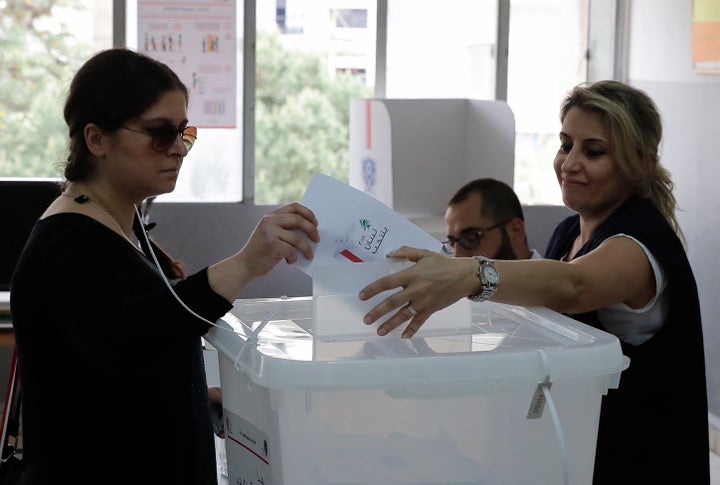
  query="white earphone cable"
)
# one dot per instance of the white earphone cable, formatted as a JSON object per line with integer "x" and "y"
{"x": 252, "y": 338}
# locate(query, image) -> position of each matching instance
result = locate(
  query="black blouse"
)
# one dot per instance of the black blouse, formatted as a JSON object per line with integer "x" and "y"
{"x": 111, "y": 366}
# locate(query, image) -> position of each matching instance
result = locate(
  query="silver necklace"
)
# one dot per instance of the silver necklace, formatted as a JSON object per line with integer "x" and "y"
{"x": 82, "y": 199}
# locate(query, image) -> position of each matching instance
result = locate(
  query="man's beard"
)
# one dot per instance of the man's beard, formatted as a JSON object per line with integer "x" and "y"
{"x": 505, "y": 251}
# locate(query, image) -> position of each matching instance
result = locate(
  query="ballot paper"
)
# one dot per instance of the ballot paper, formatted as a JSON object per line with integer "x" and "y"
{"x": 356, "y": 227}
{"x": 356, "y": 233}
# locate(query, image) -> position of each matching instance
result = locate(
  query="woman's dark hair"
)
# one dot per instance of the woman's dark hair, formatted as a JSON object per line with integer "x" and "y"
{"x": 114, "y": 87}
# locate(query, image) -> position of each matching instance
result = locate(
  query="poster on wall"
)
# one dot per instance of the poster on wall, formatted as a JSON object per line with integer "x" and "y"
{"x": 706, "y": 36}
{"x": 197, "y": 39}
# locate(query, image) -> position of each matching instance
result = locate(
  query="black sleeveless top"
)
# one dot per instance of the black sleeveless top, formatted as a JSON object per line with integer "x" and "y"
{"x": 654, "y": 427}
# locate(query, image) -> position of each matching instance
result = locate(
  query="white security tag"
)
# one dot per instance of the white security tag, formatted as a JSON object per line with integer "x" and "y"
{"x": 537, "y": 403}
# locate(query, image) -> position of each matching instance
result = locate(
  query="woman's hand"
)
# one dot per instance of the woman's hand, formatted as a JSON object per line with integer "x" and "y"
{"x": 433, "y": 283}
{"x": 279, "y": 235}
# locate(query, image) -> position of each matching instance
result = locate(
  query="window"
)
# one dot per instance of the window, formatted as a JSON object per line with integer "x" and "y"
{"x": 547, "y": 57}
{"x": 304, "y": 80}
{"x": 441, "y": 49}
{"x": 457, "y": 58}
{"x": 310, "y": 58}
{"x": 43, "y": 60}
{"x": 41, "y": 49}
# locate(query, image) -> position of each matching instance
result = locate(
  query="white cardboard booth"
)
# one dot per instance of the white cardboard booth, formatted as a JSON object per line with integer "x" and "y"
{"x": 413, "y": 154}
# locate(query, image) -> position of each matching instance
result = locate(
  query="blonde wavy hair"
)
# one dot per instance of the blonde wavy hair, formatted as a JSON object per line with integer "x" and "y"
{"x": 635, "y": 126}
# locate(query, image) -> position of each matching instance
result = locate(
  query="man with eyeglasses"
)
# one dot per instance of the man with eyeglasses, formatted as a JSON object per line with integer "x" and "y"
{"x": 485, "y": 218}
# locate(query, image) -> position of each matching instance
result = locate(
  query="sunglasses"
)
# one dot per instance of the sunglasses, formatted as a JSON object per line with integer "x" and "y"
{"x": 467, "y": 240}
{"x": 164, "y": 136}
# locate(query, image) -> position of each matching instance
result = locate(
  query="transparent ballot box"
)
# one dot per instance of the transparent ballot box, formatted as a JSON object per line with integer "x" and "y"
{"x": 513, "y": 398}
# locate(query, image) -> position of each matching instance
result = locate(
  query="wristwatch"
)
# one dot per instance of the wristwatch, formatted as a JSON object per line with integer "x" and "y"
{"x": 488, "y": 275}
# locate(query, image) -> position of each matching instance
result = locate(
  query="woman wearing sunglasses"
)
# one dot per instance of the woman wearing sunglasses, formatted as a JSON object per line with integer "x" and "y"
{"x": 111, "y": 365}
{"x": 619, "y": 265}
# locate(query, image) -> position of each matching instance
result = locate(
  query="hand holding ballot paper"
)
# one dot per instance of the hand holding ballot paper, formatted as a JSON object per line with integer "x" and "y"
{"x": 356, "y": 233}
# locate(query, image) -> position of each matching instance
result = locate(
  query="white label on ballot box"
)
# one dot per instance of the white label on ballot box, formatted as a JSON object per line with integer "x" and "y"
{"x": 247, "y": 451}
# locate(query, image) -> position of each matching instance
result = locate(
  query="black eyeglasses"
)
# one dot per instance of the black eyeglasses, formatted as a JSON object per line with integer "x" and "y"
{"x": 468, "y": 240}
{"x": 164, "y": 136}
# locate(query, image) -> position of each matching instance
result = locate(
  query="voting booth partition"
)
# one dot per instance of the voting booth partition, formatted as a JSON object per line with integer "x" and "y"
{"x": 413, "y": 154}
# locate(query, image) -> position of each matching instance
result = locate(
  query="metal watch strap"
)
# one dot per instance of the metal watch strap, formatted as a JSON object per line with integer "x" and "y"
{"x": 488, "y": 288}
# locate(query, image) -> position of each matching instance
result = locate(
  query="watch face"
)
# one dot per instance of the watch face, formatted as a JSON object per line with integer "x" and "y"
{"x": 491, "y": 275}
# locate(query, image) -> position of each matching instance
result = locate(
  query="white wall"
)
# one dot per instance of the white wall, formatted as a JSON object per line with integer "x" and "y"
{"x": 660, "y": 63}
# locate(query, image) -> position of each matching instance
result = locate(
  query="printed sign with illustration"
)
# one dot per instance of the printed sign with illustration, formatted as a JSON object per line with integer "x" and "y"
{"x": 198, "y": 41}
